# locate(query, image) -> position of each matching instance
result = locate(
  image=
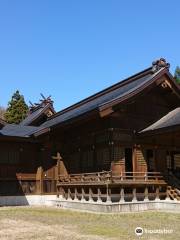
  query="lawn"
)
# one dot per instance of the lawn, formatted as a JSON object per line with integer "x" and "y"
{"x": 48, "y": 223}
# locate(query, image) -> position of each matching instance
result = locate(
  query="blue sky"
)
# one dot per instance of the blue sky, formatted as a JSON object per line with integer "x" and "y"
{"x": 74, "y": 48}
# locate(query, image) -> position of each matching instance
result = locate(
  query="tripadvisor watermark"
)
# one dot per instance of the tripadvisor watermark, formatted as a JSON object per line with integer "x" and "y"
{"x": 139, "y": 231}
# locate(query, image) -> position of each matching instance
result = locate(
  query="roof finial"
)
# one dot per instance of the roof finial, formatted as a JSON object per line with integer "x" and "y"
{"x": 42, "y": 103}
{"x": 160, "y": 63}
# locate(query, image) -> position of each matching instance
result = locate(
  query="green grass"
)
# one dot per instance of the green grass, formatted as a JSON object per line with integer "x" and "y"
{"x": 53, "y": 223}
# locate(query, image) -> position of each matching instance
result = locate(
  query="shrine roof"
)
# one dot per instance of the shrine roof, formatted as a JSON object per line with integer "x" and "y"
{"x": 172, "y": 119}
{"x": 17, "y": 130}
{"x": 110, "y": 95}
{"x": 35, "y": 115}
{"x": 38, "y": 110}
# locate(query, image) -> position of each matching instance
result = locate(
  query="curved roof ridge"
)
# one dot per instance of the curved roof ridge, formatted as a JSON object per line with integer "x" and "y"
{"x": 106, "y": 90}
{"x": 128, "y": 88}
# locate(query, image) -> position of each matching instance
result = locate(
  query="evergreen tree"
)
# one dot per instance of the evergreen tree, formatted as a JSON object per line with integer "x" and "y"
{"x": 17, "y": 109}
{"x": 177, "y": 75}
{"x": 2, "y": 112}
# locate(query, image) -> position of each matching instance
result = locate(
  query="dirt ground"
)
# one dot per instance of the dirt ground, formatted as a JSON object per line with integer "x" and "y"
{"x": 43, "y": 223}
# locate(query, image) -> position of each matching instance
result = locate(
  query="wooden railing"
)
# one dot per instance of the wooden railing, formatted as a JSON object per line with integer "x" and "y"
{"x": 138, "y": 176}
{"x": 111, "y": 178}
{"x": 108, "y": 187}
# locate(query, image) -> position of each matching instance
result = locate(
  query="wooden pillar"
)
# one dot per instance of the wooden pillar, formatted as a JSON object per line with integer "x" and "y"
{"x": 90, "y": 195}
{"x": 134, "y": 160}
{"x": 157, "y": 193}
{"x": 134, "y": 195}
{"x": 99, "y": 196}
{"x": 82, "y": 194}
{"x": 40, "y": 173}
{"x": 39, "y": 180}
{"x": 75, "y": 195}
{"x": 60, "y": 192}
{"x": 69, "y": 194}
{"x": 121, "y": 200}
{"x": 146, "y": 194}
{"x": 167, "y": 194}
{"x": 61, "y": 169}
{"x": 108, "y": 194}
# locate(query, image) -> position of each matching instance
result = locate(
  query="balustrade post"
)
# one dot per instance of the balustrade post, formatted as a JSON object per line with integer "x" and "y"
{"x": 69, "y": 194}
{"x": 167, "y": 195}
{"x": 90, "y": 195}
{"x": 99, "y": 196}
{"x": 134, "y": 195}
{"x": 82, "y": 195}
{"x": 157, "y": 194}
{"x": 121, "y": 176}
{"x": 108, "y": 195}
{"x": 82, "y": 178}
{"x": 146, "y": 194}
{"x": 99, "y": 177}
{"x": 75, "y": 195}
{"x": 121, "y": 200}
{"x": 145, "y": 176}
{"x": 61, "y": 194}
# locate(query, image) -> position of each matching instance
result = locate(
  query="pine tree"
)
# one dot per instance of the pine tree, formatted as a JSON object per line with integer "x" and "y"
{"x": 17, "y": 109}
{"x": 177, "y": 75}
{"x": 2, "y": 112}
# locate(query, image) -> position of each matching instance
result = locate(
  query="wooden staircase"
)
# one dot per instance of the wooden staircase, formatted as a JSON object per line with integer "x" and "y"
{"x": 173, "y": 188}
{"x": 173, "y": 193}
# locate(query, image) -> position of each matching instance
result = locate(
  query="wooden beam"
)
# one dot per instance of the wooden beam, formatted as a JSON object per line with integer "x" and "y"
{"x": 106, "y": 112}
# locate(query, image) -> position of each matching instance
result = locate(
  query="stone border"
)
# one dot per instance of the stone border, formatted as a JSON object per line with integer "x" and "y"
{"x": 167, "y": 205}
{"x": 101, "y": 207}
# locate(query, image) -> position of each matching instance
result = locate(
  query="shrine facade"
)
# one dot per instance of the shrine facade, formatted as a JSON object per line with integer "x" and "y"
{"x": 121, "y": 144}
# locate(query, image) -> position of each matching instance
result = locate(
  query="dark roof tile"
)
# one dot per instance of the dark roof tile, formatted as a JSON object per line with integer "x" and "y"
{"x": 35, "y": 115}
{"x": 169, "y": 120}
{"x": 17, "y": 130}
{"x": 116, "y": 91}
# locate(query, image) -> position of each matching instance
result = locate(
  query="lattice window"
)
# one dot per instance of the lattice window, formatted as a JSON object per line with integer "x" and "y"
{"x": 176, "y": 161}
{"x": 168, "y": 161}
{"x": 87, "y": 159}
{"x": 116, "y": 135}
{"x": 103, "y": 156}
{"x": 119, "y": 136}
{"x": 118, "y": 154}
{"x": 103, "y": 137}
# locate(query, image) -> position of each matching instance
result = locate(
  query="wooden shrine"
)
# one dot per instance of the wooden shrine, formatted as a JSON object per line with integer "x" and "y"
{"x": 121, "y": 144}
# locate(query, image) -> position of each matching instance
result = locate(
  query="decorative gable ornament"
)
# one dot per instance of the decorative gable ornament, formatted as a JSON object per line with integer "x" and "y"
{"x": 158, "y": 64}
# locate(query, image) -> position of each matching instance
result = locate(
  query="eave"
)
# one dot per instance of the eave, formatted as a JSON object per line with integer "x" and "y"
{"x": 17, "y": 139}
{"x": 68, "y": 123}
{"x": 175, "y": 88}
{"x": 159, "y": 131}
